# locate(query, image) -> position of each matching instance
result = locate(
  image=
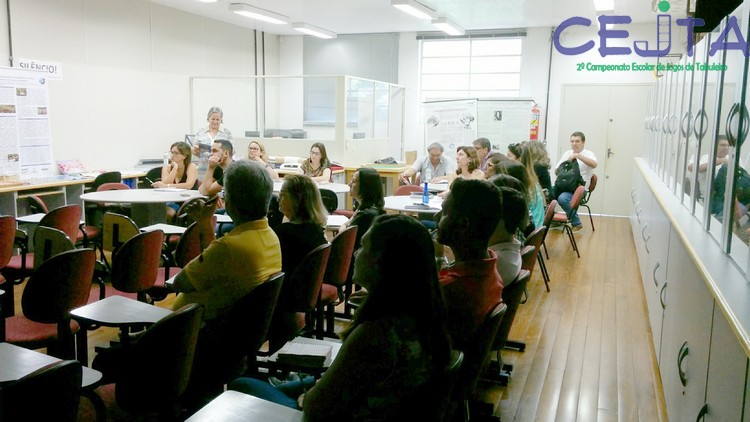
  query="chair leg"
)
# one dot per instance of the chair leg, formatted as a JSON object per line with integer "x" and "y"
{"x": 330, "y": 320}
{"x": 543, "y": 267}
{"x": 569, "y": 232}
{"x": 546, "y": 252}
{"x": 591, "y": 219}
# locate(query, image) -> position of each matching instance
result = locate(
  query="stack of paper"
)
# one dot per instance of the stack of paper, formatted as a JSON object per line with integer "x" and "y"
{"x": 303, "y": 354}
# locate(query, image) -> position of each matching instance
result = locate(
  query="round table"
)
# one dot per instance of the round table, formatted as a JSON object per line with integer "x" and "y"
{"x": 334, "y": 187}
{"x": 413, "y": 203}
{"x": 147, "y": 205}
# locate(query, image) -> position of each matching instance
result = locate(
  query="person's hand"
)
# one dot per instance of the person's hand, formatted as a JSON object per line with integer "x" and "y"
{"x": 443, "y": 194}
{"x": 172, "y": 166}
{"x": 159, "y": 185}
{"x": 573, "y": 156}
{"x": 402, "y": 178}
{"x": 196, "y": 150}
{"x": 213, "y": 161}
{"x": 202, "y": 209}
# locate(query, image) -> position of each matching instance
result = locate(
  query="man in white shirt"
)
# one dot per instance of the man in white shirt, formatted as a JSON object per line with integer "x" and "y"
{"x": 435, "y": 167}
{"x": 586, "y": 163}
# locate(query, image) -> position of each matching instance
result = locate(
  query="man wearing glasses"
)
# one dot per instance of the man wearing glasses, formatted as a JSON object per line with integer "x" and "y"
{"x": 484, "y": 148}
{"x": 435, "y": 167}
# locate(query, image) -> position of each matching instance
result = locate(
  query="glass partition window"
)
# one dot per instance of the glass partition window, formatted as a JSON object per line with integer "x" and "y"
{"x": 471, "y": 68}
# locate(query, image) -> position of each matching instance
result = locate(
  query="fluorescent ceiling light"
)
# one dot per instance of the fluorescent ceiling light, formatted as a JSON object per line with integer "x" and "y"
{"x": 260, "y": 14}
{"x": 208, "y": 1}
{"x": 414, "y": 8}
{"x": 604, "y": 5}
{"x": 313, "y": 30}
{"x": 448, "y": 27}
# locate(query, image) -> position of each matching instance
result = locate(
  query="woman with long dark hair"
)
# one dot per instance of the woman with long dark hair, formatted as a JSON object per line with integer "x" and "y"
{"x": 366, "y": 188}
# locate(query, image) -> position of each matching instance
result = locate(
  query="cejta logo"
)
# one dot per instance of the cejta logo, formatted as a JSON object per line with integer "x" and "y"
{"x": 663, "y": 37}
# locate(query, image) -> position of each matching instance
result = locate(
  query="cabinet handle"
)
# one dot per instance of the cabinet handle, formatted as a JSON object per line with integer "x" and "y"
{"x": 661, "y": 295}
{"x": 664, "y": 125}
{"x": 672, "y": 124}
{"x": 643, "y": 232}
{"x": 739, "y": 138}
{"x": 700, "y": 130}
{"x": 685, "y": 124}
{"x": 645, "y": 244}
{"x": 681, "y": 355}
{"x": 702, "y": 414}
{"x": 653, "y": 273}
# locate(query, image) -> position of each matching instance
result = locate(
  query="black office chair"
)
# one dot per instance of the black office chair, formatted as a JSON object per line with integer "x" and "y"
{"x": 330, "y": 200}
{"x": 153, "y": 175}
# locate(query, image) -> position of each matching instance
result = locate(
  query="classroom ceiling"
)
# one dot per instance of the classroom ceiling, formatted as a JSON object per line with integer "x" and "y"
{"x": 378, "y": 16}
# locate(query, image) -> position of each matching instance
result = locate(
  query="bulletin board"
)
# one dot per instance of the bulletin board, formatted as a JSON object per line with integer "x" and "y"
{"x": 25, "y": 135}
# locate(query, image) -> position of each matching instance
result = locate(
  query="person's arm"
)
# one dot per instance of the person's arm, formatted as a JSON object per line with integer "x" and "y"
{"x": 589, "y": 161}
{"x": 208, "y": 187}
{"x": 168, "y": 173}
{"x": 439, "y": 179}
{"x": 202, "y": 215}
{"x": 365, "y": 358}
{"x": 325, "y": 177}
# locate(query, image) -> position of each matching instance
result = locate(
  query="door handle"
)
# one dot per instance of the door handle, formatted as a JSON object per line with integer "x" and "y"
{"x": 653, "y": 274}
{"x": 681, "y": 355}
{"x": 702, "y": 414}
{"x": 609, "y": 152}
{"x": 661, "y": 295}
{"x": 686, "y": 124}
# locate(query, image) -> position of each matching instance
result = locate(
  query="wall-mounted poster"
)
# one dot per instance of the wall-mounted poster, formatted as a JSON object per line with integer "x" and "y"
{"x": 452, "y": 123}
{"x": 25, "y": 138}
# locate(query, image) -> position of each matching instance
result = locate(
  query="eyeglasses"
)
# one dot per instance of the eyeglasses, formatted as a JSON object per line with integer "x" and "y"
{"x": 175, "y": 152}
{"x": 314, "y": 152}
{"x": 253, "y": 149}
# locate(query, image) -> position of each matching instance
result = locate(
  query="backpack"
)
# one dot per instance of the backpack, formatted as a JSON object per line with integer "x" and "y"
{"x": 568, "y": 177}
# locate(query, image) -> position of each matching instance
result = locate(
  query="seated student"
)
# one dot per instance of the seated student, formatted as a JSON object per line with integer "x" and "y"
{"x": 392, "y": 354}
{"x": 317, "y": 166}
{"x": 533, "y": 192}
{"x": 435, "y": 167}
{"x": 257, "y": 152}
{"x": 300, "y": 202}
{"x": 179, "y": 173}
{"x": 366, "y": 189}
{"x": 218, "y": 162}
{"x": 472, "y": 285}
{"x": 493, "y": 160}
{"x": 586, "y": 164}
{"x": 515, "y": 215}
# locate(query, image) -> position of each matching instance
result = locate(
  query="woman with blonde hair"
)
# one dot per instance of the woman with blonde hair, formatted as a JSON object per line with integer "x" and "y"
{"x": 302, "y": 206}
{"x": 256, "y": 151}
{"x": 540, "y": 159}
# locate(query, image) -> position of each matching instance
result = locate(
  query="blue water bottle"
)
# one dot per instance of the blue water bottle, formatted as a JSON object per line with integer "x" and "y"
{"x": 425, "y": 195}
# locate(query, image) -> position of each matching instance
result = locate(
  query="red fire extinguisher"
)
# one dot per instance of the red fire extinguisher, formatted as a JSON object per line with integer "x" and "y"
{"x": 534, "y": 131}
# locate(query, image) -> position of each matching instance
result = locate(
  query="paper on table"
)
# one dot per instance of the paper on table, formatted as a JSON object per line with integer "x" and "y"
{"x": 168, "y": 190}
{"x": 304, "y": 354}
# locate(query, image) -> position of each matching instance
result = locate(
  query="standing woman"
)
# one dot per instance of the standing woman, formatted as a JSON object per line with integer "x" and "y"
{"x": 179, "y": 173}
{"x": 317, "y": 166}
{"x": 207, "y": 136}
{"x": 257, "y": 152}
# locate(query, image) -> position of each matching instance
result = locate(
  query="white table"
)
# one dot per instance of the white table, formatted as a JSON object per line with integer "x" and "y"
{"x": 334, "y": 187}
{"x": 147, "y": 205}
{"x": 233, "y": 406}
{"x": 17, "y": 362}
{"x": 412, "y": 204}
{"x": 168, "y": 229}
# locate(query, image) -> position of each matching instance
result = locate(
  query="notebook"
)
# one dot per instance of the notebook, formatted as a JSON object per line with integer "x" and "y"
{"x": 304, "y": 354}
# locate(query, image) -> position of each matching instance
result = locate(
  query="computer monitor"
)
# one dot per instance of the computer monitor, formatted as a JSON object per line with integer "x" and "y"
{"x": 190, "y": 139}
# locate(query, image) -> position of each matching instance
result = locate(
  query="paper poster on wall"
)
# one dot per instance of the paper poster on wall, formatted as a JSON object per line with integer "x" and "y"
{"x": 452, "y": 123}
{"x": 25, "y": 137}
{"x": 504, "y": 121}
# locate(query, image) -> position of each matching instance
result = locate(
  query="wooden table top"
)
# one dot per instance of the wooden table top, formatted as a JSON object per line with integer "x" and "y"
{"x": 119, "y": 311}
{"x": 17, "y": 362}
{"x": 233, "y": 406}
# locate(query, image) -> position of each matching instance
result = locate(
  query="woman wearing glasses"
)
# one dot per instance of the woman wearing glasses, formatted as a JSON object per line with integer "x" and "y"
{"x": 317, "y": 166}
{"x": 180, "y": 173}
{"x": 257, "y": 152}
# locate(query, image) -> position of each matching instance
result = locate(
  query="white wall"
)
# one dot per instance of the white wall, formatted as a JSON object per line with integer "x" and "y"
{"x": 126, "y": 67}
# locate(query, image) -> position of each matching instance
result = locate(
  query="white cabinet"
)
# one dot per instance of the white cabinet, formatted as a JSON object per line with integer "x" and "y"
{"x": 727, "y": 370}
{"x": 686, "y": 337}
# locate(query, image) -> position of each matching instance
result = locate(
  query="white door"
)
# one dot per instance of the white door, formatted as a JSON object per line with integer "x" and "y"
{"x": 611, "y": 117}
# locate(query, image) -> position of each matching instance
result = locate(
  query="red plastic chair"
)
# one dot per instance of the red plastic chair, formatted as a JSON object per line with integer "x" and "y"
{"x": 529, "y": 261}
{"x": 548, "y": 215}
{"x": 188, "y": 248}
{"x": 51, "y": 393}
{"x": 59, "y": 285}
{"x": 298, "y": 298}
{"x": 134, "y": 267}
{"x": 7, "y": 240}
{"x": 406, "y": 190}
{"x": 337, "y": 272}
{"x": 562, "y": 218}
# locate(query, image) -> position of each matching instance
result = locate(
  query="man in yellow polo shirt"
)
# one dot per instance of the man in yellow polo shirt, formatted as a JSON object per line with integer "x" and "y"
{"x": 236, "y": 263}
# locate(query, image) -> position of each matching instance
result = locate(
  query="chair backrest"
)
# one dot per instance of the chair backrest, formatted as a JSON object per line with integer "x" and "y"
{"x": 592, "y": 183}
{"x": 342, "y": 249}
{"x": 108, "y": 177}
{"x": 7, "y": 237}
{"x": 116, "y": 230}
{"x": 535, "y": 239}
{"x": 135, "y": 266}
{"x": 51, "y": 393}
{"x": 61, "y": 284}
{"x": 405, "y": 190}
{"x": 443, "y": 388}
{"x": 189, "y": 246}
{"x": 66, "y": 218}
{"x": 330, "y": 200}
{"x": 153, "y": 175}
{"x": 300, "y": 292}
{"x": 512, "y": 295}
{"x": 575, "y": 201}
{"x": 36, "y": 205}
{"x": 275, "y": 216}
{"x": 48, "y": 242}
{"x": 172, "y": 340}
{"x": 181, "y": 217}
{"x": 225, "y": 341}
{"x": 112, "y": 186}
{"x": 476, "y": 351}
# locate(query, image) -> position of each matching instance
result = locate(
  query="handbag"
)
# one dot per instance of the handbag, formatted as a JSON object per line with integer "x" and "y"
{"x": 568, "y": 177}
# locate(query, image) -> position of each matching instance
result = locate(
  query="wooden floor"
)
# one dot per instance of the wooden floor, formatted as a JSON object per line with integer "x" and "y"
{"x": 589, "y": 355}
